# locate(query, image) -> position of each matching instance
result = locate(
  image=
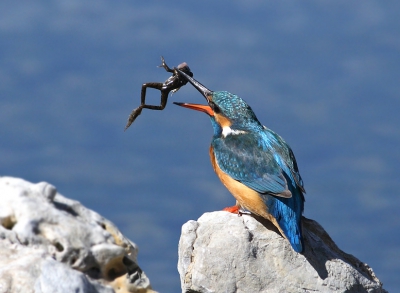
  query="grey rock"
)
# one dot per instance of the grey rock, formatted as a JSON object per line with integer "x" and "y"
{"x": 49, "y": 243}
{"x": 223, "y": 252}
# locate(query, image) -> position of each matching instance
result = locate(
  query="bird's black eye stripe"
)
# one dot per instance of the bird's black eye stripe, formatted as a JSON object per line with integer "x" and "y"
{"x": 215, "y": 108}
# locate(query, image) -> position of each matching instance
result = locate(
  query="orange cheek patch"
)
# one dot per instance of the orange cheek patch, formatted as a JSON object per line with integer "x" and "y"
{"x": 222, "y": 120}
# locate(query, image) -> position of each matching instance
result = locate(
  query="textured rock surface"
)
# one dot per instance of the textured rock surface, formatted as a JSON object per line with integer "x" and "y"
{"x": 49, "y": 243}
{"x": 222, "y": 252}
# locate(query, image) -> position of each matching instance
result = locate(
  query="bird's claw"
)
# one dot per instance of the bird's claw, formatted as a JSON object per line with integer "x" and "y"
{"x": 232, "y": 209}
{"x": 242, "y": 212}
{"x": 237, "y": 210}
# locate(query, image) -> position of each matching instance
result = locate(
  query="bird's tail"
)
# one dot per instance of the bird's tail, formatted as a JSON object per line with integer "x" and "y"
{"x": 288, "y": 212}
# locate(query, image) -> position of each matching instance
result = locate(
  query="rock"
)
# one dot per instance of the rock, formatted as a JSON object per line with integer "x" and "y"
{"x": 49, "y": 243}
{"x": 222, "y": 252}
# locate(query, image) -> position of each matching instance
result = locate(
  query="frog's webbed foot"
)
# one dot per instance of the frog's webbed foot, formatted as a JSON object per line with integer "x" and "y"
{"x": 135, "y": 113}
{"x": 165, "y": 66}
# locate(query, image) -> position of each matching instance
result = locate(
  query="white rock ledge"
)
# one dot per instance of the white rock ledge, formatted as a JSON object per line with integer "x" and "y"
{"x": 222, "y": 252}
{"x": 49, "y": 243}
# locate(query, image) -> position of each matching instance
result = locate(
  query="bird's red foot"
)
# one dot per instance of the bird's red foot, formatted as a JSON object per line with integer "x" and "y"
{"x": 232, "y": 209}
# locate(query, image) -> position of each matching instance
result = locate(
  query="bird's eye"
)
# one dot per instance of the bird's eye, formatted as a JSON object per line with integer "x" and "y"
{"x": 215, "y": 108}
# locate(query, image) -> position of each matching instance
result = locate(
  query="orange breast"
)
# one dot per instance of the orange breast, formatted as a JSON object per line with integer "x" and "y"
{"x": 246, "y": 197}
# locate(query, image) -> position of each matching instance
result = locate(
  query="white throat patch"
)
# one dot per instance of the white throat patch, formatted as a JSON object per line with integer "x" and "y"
{"x": 229, "y": 131}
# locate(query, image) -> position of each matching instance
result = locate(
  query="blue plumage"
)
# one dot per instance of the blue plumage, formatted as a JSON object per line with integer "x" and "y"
{"x": 263, "y": 161}
{"x": 244, "y": 159}
{"x": 266, "y": 180}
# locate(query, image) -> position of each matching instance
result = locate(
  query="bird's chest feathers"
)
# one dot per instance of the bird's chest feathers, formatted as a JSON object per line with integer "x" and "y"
{"x": 246, "y": 197}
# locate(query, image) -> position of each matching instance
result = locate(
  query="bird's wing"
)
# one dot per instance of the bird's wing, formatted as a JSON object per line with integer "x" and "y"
{"x": 245, "y": 158}
{"x": 283, "y": 155}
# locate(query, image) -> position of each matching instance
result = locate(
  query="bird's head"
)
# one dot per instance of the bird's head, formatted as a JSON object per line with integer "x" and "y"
{"x": 228, "y": 112}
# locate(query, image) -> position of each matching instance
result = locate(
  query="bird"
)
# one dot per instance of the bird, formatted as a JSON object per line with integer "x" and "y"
{"x": 253, "y": 162}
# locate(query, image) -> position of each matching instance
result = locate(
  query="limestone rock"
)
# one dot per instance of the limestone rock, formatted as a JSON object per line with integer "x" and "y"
{"x": 49, "y": 243}
{"x": 222, "y": 252}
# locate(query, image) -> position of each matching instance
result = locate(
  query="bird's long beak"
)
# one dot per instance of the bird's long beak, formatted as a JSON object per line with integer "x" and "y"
{"x": 202, "y": 108}
{"x": 201, "y": 88}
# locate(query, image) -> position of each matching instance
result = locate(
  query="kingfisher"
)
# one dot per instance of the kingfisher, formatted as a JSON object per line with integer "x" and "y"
{"x": 253, "y": 162}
